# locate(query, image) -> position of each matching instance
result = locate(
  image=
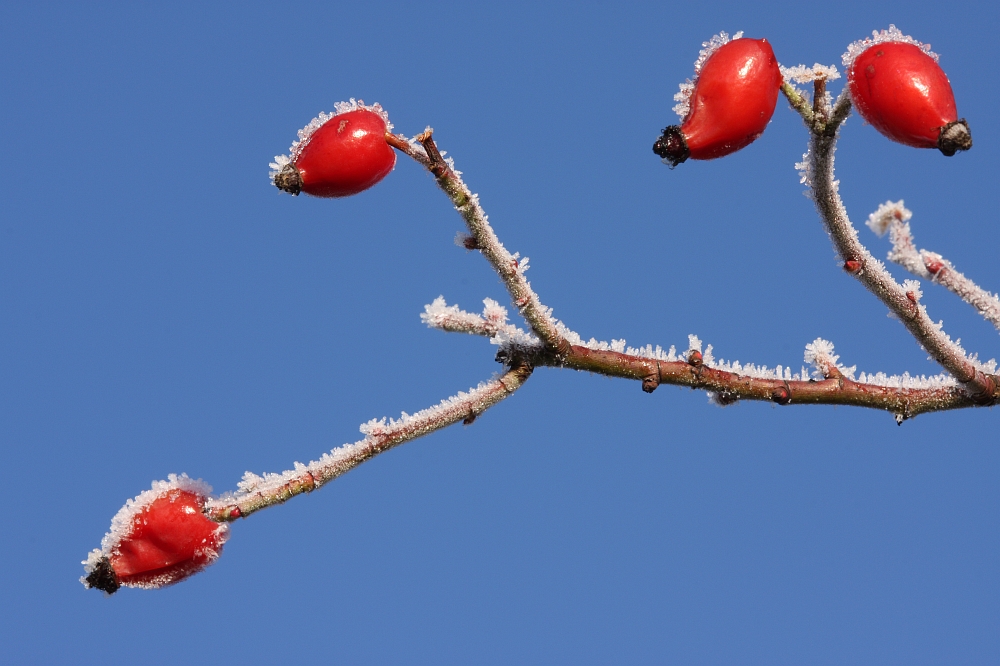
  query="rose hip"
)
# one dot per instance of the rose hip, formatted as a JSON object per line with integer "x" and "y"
{"x": 731, "y": 102}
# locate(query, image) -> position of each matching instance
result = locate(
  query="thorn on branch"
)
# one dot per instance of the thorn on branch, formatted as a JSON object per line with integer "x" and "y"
{"x": 468, "y": 420}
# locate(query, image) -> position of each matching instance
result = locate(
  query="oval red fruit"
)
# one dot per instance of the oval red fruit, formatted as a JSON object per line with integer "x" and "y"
{"x": 730, "y": 104}
{"x": 159, "y": 538}
{"x": 899, "y": 88}
{"x": 338, "y": 155}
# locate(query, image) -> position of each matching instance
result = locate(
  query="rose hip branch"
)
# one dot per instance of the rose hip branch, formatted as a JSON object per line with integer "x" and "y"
{"x": 177, "y": 528}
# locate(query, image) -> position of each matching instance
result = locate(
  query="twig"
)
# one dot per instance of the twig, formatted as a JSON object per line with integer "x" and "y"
{"x": 904, "y": 397}
{"x": 507, "y": 266}
{"x": 819, "y": 173}
{"x": 256, "y": 492}
{"x": 894, "y": 218}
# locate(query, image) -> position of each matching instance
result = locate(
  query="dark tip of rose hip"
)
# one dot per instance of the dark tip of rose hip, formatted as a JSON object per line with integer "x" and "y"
{"x": 671, "y": 146}
{"x": 103, "y": 577}
{"x": 955, "y": 136}
{"x": 288, "y": 180}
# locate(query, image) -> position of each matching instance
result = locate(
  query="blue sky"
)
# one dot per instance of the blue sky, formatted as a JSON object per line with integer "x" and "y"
{"x": 164, "y": 309}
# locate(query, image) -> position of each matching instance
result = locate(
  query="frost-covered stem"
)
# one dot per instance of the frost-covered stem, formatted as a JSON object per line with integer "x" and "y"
{"x": 729, "y": 387}
{"x": 841, "y": 109}
{"x": 932, "y": 266}
{"x": 986, "y": 304}
{"x": 380, "y": 438}
{"x": 982, "y": 387}
{"x": 820, "y": 117}
{"x": 485, "y": 240}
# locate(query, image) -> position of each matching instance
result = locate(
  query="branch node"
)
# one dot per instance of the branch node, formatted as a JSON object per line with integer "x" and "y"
{"x": 782, "y": 395}
{"x": 853, "y": 266}
{"x": 650, "y": 382}
{"x": 724, "y": 398}
{"x": 695, "y": 358}
{"x": 988, "y": 392}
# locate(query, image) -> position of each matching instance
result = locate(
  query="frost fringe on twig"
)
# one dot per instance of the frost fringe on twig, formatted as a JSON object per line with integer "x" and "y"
{"x": 818, "y": 173}
{"x": 550, "y": 343}
{"x": 894, "y": 217}
{"x": 256, "y": 492}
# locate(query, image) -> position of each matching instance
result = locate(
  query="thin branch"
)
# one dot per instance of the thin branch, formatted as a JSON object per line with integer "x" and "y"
{"x": 259, "y": 492}
{"x": 507, "y": 266}
{"x": 894, "y": 217}
{"x": 798, "y": 101}
{"x": 819, "y": 173}
{"x": 904, "y": 397}
{"x": 729, "y": 387}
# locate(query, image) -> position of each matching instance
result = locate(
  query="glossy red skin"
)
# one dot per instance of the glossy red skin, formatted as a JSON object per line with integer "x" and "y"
{"x": 903, "y": 93}
{"x": 345, "y": 156}
{"x": 733, "y": 99}
{"x": 170, "y": 540}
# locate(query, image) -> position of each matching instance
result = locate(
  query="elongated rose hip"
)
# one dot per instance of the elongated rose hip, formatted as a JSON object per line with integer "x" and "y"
{"x": 898, "y": 87}
{"x": 159, "y": 538}
{"x": 338, "y": 154}
{"x": 728, "y": 105}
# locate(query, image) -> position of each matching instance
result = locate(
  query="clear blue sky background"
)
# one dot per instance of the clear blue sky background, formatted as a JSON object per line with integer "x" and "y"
{"x": 164, "y": 309}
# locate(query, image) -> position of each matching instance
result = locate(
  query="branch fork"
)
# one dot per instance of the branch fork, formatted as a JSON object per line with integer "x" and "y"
{"x": 549, "y": 343}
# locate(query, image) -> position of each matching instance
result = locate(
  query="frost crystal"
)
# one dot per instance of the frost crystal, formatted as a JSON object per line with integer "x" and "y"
{"x": 891, "y": 35}
{"x": 881, "y": 219}
{"x": 683, "y": 98}
{"x": 805, "y": 173}
{"x": 819, "y": 354}
{"x": 803, "y": 74}
{"x": 306, "y": 132}
{"x": 913, "y": 287}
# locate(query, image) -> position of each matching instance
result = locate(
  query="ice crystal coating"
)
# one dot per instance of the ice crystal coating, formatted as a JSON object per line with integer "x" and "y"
{"x": 819, "y": 354}
{"x": 882, "y": 218}
{"x": 345, "y": 457}
{"x": 803, "y": 74}
{"x": 304, "y": 134}
{"x": 122, "y": 523}
{"x": 891, "y": 35}
{"x": 912, "y": 288}
{"x": 683, "y": 98}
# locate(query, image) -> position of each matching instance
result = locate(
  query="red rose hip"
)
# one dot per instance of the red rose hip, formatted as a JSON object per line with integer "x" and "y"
{"x": 159, "y": 538}
{"x": 898, "y": 87}
{"x": 728, "y": 105}
{"x": 338, "y": 154}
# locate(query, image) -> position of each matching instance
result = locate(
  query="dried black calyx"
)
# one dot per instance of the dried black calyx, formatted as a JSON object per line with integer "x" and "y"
{"x": 955, "y": 136}
{"x": 103, "y": 577}
{"x": 671, "y": 146}
{"x": 288, "y": 180}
